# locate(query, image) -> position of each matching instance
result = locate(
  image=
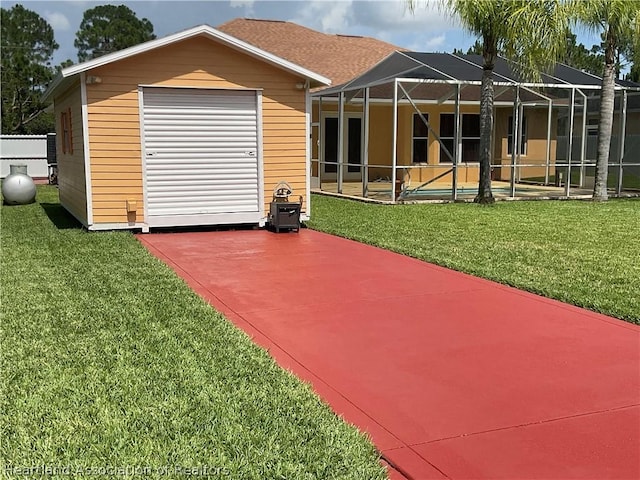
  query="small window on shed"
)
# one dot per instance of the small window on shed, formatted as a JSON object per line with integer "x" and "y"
{"x": 67, "y": 135}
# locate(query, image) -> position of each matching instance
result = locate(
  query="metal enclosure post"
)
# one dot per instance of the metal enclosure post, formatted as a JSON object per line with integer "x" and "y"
{"x": 340, "y": 140}
{"x": 515, "y": 143}
{"x": 567, "y": 182}
{"x": 623, "y": 132}
{"x": 583, "y": 142}
{"x": 548, "y": 152}
{"x": 394, "y": 153}
{"x": 517, "y": 174}
{"x": 365, "y": 159}
{"x": 320, "y": 143}
{"x": 457, "y": 155}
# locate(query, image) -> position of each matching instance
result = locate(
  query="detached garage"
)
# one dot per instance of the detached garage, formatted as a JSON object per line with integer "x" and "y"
{"x": 195, "y": 128}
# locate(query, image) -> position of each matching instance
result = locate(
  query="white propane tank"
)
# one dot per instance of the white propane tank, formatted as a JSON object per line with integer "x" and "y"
{"x": 18, "y": 188}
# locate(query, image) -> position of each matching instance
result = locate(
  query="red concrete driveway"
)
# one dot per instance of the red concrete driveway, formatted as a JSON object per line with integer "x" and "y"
{"x": 451, "y": 375}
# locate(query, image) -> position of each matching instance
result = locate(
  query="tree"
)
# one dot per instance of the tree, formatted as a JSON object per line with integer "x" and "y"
{"x": 109, "y": 28}
{"x": 631, "y": 53}
{"x": 27, "y": 47}
{"x": 476, "y": 49}
{"x": 500, "y": 26}
{"x": 67, "y": 63}
{"x": 616, "y": 20}
{"x": 577, "y": 56}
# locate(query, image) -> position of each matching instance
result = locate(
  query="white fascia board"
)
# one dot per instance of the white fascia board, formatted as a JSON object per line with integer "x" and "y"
{"x": 204, "y": 30}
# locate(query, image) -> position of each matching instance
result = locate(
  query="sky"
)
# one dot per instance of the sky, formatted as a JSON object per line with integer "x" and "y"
{"x": 427, "y": 29}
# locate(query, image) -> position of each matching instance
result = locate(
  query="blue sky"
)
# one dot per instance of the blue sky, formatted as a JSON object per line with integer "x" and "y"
{"x": 427, "y": 29}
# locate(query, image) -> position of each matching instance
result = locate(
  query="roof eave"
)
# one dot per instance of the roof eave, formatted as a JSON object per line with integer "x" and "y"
{"x": 315, "y": 79}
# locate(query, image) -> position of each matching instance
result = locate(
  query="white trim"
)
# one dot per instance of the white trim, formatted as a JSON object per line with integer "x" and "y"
{"x": 307, "y": 131}
{"x": 413, "y": 137}
{"x": 206, "y": 219}
{"x": 96, "y": 227}
{"x": 197, "y": 87}
{"x": 321, "y": 155}
{"x": 201, "y": 30}
{"x": 86, "y": 150}
{"x": 260, "y": 145}
{"x": 258, "y": 216}
{"x": 143, "y": 152}
{"x": 25, "y": 137}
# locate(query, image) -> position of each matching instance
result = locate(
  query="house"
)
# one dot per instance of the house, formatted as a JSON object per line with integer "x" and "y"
{"x": 409, "y": 128}
{"x": 194, "y": 128}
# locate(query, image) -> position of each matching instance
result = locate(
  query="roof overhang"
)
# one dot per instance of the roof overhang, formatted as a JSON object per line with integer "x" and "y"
{"x": 67, "y": 76}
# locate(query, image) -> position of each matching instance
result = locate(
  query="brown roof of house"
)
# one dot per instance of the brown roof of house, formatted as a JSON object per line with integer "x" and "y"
{"x": 338, "y": 57}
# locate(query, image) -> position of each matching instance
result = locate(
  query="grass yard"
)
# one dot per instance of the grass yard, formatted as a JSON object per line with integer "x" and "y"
{"x": 582, "y": 253}
{"x": 110, "y": 361}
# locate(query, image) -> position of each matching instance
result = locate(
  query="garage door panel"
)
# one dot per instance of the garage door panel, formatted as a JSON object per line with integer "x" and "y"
{"x": 187, "y": 157}
{"x": 201, "y": 155}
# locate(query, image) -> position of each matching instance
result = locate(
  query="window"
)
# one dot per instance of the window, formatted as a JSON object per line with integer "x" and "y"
{"x": 67, "y": 137}
{"x": 420, "y": 139}
{"x": 593, "y": 127}
{"x": 470, "y": 137}
{"x": 562, "y": 127}
{"x": 523, "y": 139}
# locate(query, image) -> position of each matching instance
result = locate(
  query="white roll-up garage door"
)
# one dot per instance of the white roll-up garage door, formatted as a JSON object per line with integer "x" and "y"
{"x": 201, "y": 156}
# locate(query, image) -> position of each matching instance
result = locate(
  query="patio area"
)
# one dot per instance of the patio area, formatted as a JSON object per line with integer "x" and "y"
{"x": 380, "y": 191}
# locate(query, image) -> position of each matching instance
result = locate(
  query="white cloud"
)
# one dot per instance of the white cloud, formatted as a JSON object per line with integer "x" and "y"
{"x": 394, "y": 15}
{"x": 247, "y": 5}
{"x": 326, "y": 16}
{"x": 58, "y": 21}
{"x": 435, "y": 42}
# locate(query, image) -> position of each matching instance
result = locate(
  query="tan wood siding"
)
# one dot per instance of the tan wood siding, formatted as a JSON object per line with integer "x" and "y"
{"x": 71, "y": 171}
{"x": 114, "y": 121}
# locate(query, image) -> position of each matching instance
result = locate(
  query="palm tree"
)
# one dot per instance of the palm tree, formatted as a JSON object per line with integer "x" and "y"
{"x": 529, "y": 32}
{"x": 615, "y": 20}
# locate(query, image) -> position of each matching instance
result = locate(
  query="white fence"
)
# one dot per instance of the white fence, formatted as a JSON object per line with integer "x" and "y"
{"x": 29, "y": 150}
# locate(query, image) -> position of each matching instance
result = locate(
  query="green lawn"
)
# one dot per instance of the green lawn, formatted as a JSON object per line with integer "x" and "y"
{"x": 583, "y": 253}
{"x": 109, "y": 359}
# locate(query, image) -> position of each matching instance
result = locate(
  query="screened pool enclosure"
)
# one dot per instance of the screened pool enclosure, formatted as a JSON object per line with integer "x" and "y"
{"x": 408, "y": 129}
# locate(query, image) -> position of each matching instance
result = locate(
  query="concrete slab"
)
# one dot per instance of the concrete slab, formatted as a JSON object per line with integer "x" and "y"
{"x": 451, "y": 375}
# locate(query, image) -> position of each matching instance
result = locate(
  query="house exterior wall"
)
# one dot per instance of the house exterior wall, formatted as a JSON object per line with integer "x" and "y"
{"x": 536, "y": 150}
{"x": 381, "y": 140}
{"x": 632, "y": 126}
{"x": 71, "y": 165}
{"x": 114, "y": 118}
{"x": 467, "y": 172}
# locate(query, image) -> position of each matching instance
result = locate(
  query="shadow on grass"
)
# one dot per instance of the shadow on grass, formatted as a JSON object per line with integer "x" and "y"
{"x": 62, "y": 219}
